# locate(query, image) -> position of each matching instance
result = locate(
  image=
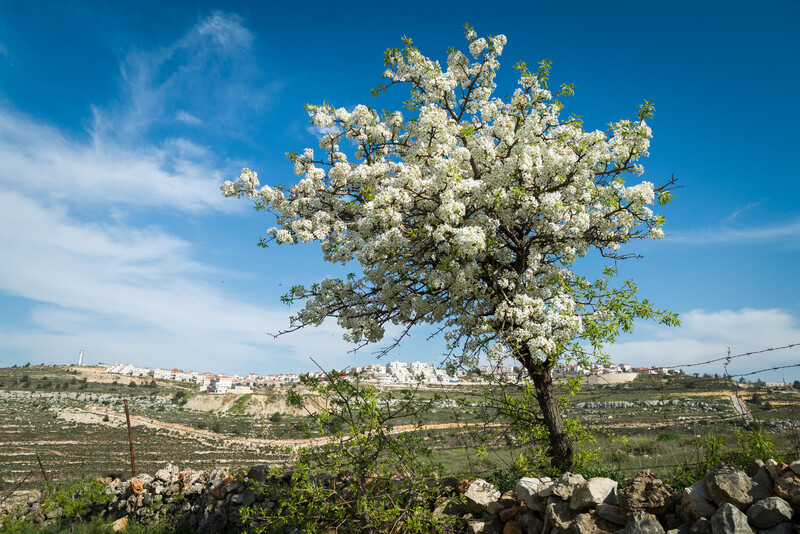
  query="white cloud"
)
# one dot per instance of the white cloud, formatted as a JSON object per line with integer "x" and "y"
{"x": 785, "y": 232}
{"x": 42, "y": 162}
{"x": 706, "y": 335}
{"x": 210, "y": 75}
{"x": 90, "y": 277}
{"x": 133, "y": 295}
{"x": 738, "y": 211}
{"x": 188, "y": 118}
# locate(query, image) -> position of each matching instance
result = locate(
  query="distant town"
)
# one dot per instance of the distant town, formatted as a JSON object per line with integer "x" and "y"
{"x": 391, "y": 373}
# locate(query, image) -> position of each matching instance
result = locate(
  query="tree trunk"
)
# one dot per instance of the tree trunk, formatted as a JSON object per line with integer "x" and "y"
{"x": 562, "y": 448}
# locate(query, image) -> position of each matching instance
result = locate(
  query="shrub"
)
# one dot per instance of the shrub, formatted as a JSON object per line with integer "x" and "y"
{"x": 76, "y": 499}
{"x": 754, "y": 444}
{"x": 364, "y": 478}
{"x": 669, "y": 435}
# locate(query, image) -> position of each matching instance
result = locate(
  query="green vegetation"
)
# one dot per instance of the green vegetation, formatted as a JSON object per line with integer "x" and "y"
{"x": 239, "y": 405}
{"x": 675, "y": 430}
{"x": 181, "y": 397}
{"x": 74, "y": 500}
{"x": 374, "y": 480}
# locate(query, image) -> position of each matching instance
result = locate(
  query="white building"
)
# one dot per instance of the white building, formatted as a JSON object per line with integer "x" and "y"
{"x": 182, "y": 376}
{"x": 163, "y": 374}
{"x": 221, "y": 384}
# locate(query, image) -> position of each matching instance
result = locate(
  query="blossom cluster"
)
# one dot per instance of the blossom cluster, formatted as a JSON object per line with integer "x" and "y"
{"x": 469, "y": 214}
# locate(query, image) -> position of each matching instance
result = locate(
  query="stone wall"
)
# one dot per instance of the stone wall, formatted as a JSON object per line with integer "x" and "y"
{"x": 765, "y": 499}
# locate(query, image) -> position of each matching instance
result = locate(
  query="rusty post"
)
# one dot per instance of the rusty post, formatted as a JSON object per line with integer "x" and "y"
{"x": 41, "y": 467}
{"x": 130, "y": 438}
{"x": 21, "y": 482}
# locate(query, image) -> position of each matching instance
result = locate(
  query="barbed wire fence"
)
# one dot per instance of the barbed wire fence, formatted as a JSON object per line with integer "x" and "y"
{"x": 684, "y": 434}
{"x": 667, "y": 417}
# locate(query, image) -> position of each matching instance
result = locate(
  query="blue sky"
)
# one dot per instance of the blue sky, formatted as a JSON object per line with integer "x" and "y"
{"x": 119, "y": 121}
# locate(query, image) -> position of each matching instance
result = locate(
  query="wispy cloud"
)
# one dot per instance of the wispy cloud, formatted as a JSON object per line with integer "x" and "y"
{"x": 706, "y": 335}
{"x": 96, "y": 279}
{"x": 210, "y": 74}
{"x": 738, "y": 211}
{"x": 133, "y": 294}
{"x": 787, "y": 232}
{"x": 187, "y": 117}
{"x": 41, "y": 161}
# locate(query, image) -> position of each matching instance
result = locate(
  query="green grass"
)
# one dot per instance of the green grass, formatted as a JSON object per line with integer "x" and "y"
{"x": 239, "y": 405}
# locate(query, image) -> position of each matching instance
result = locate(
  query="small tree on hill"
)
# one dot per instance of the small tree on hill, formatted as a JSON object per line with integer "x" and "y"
{"x": 470, "y": 214}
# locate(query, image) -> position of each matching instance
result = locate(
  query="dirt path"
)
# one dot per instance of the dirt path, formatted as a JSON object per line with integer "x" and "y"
{"x": 95, "y": 411}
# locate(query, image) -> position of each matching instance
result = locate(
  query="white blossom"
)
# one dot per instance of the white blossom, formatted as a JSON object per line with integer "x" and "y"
{"x": 470, "y": 213}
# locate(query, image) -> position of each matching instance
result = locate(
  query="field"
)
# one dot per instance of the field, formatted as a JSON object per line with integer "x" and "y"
{"x": 72, "y": 420}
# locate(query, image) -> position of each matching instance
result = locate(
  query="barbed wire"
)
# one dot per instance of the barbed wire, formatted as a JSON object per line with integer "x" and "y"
{"x": 731, "y": 357}
{"x": 687, "y": 430}
{"x": 765, "y": 370}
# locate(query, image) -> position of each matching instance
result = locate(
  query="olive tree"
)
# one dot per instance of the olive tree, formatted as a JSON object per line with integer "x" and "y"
{"x": 469, "y": 212}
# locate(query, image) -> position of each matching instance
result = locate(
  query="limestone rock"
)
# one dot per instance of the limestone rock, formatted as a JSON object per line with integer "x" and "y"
{"x": 508, "y": 514}
{"x": 594, "y": 491}
{"x": 641, "y": 522}
{"x": 509, "y": 498}
{"x": 218, "y": 487}
{"x": 787, "y": 487}
{"x": 591, "y": 523}
{"x": 558, "y": 518}
{"x": 188, "y": 478}
{"x": 695, "y": 503}
{"x": 495, "y": 507}
{"x": 728, "y": 519}
{"x": 448, "y": 508}
{"x": 168, "y": 474}
{"x": 769, "y": 512}
{"x": 479, "y": 494}
{"x": 546, "y": 489}
{"x": 260, "y": 473}
{"x": 644, "y": 492}
{"x": 772, "y": 469}
{"x": 728, "y": 484}
{"x": 612, "y": 513}
{"x": 566, "y": 484}
{"x": 491, "y": 525}
{"x": 755, "y": 465}
{"x": 795, "y": 467}
{"x": 136, "y": 485}
{"x": 762, "y": 485}
{"x": 512, "y": 527}
{"x": 120, "y": 524}
{"x": 530, "y": 522}
{"x": 527, "y": 489}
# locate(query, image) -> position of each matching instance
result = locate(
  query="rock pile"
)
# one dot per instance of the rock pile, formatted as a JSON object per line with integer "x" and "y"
{"x": 765, "y": 500}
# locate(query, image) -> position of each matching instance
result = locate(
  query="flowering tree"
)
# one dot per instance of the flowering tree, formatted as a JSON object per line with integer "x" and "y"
{"x": 470, "y": 214}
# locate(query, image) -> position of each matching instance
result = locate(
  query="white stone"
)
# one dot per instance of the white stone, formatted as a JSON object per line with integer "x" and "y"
{"x": 795, "y": 466}
{"x": 696, "y": 503}
{"x": 479, "y": 494}
{"x": 527, "y": 491}
{"x": 594, "y": 491}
